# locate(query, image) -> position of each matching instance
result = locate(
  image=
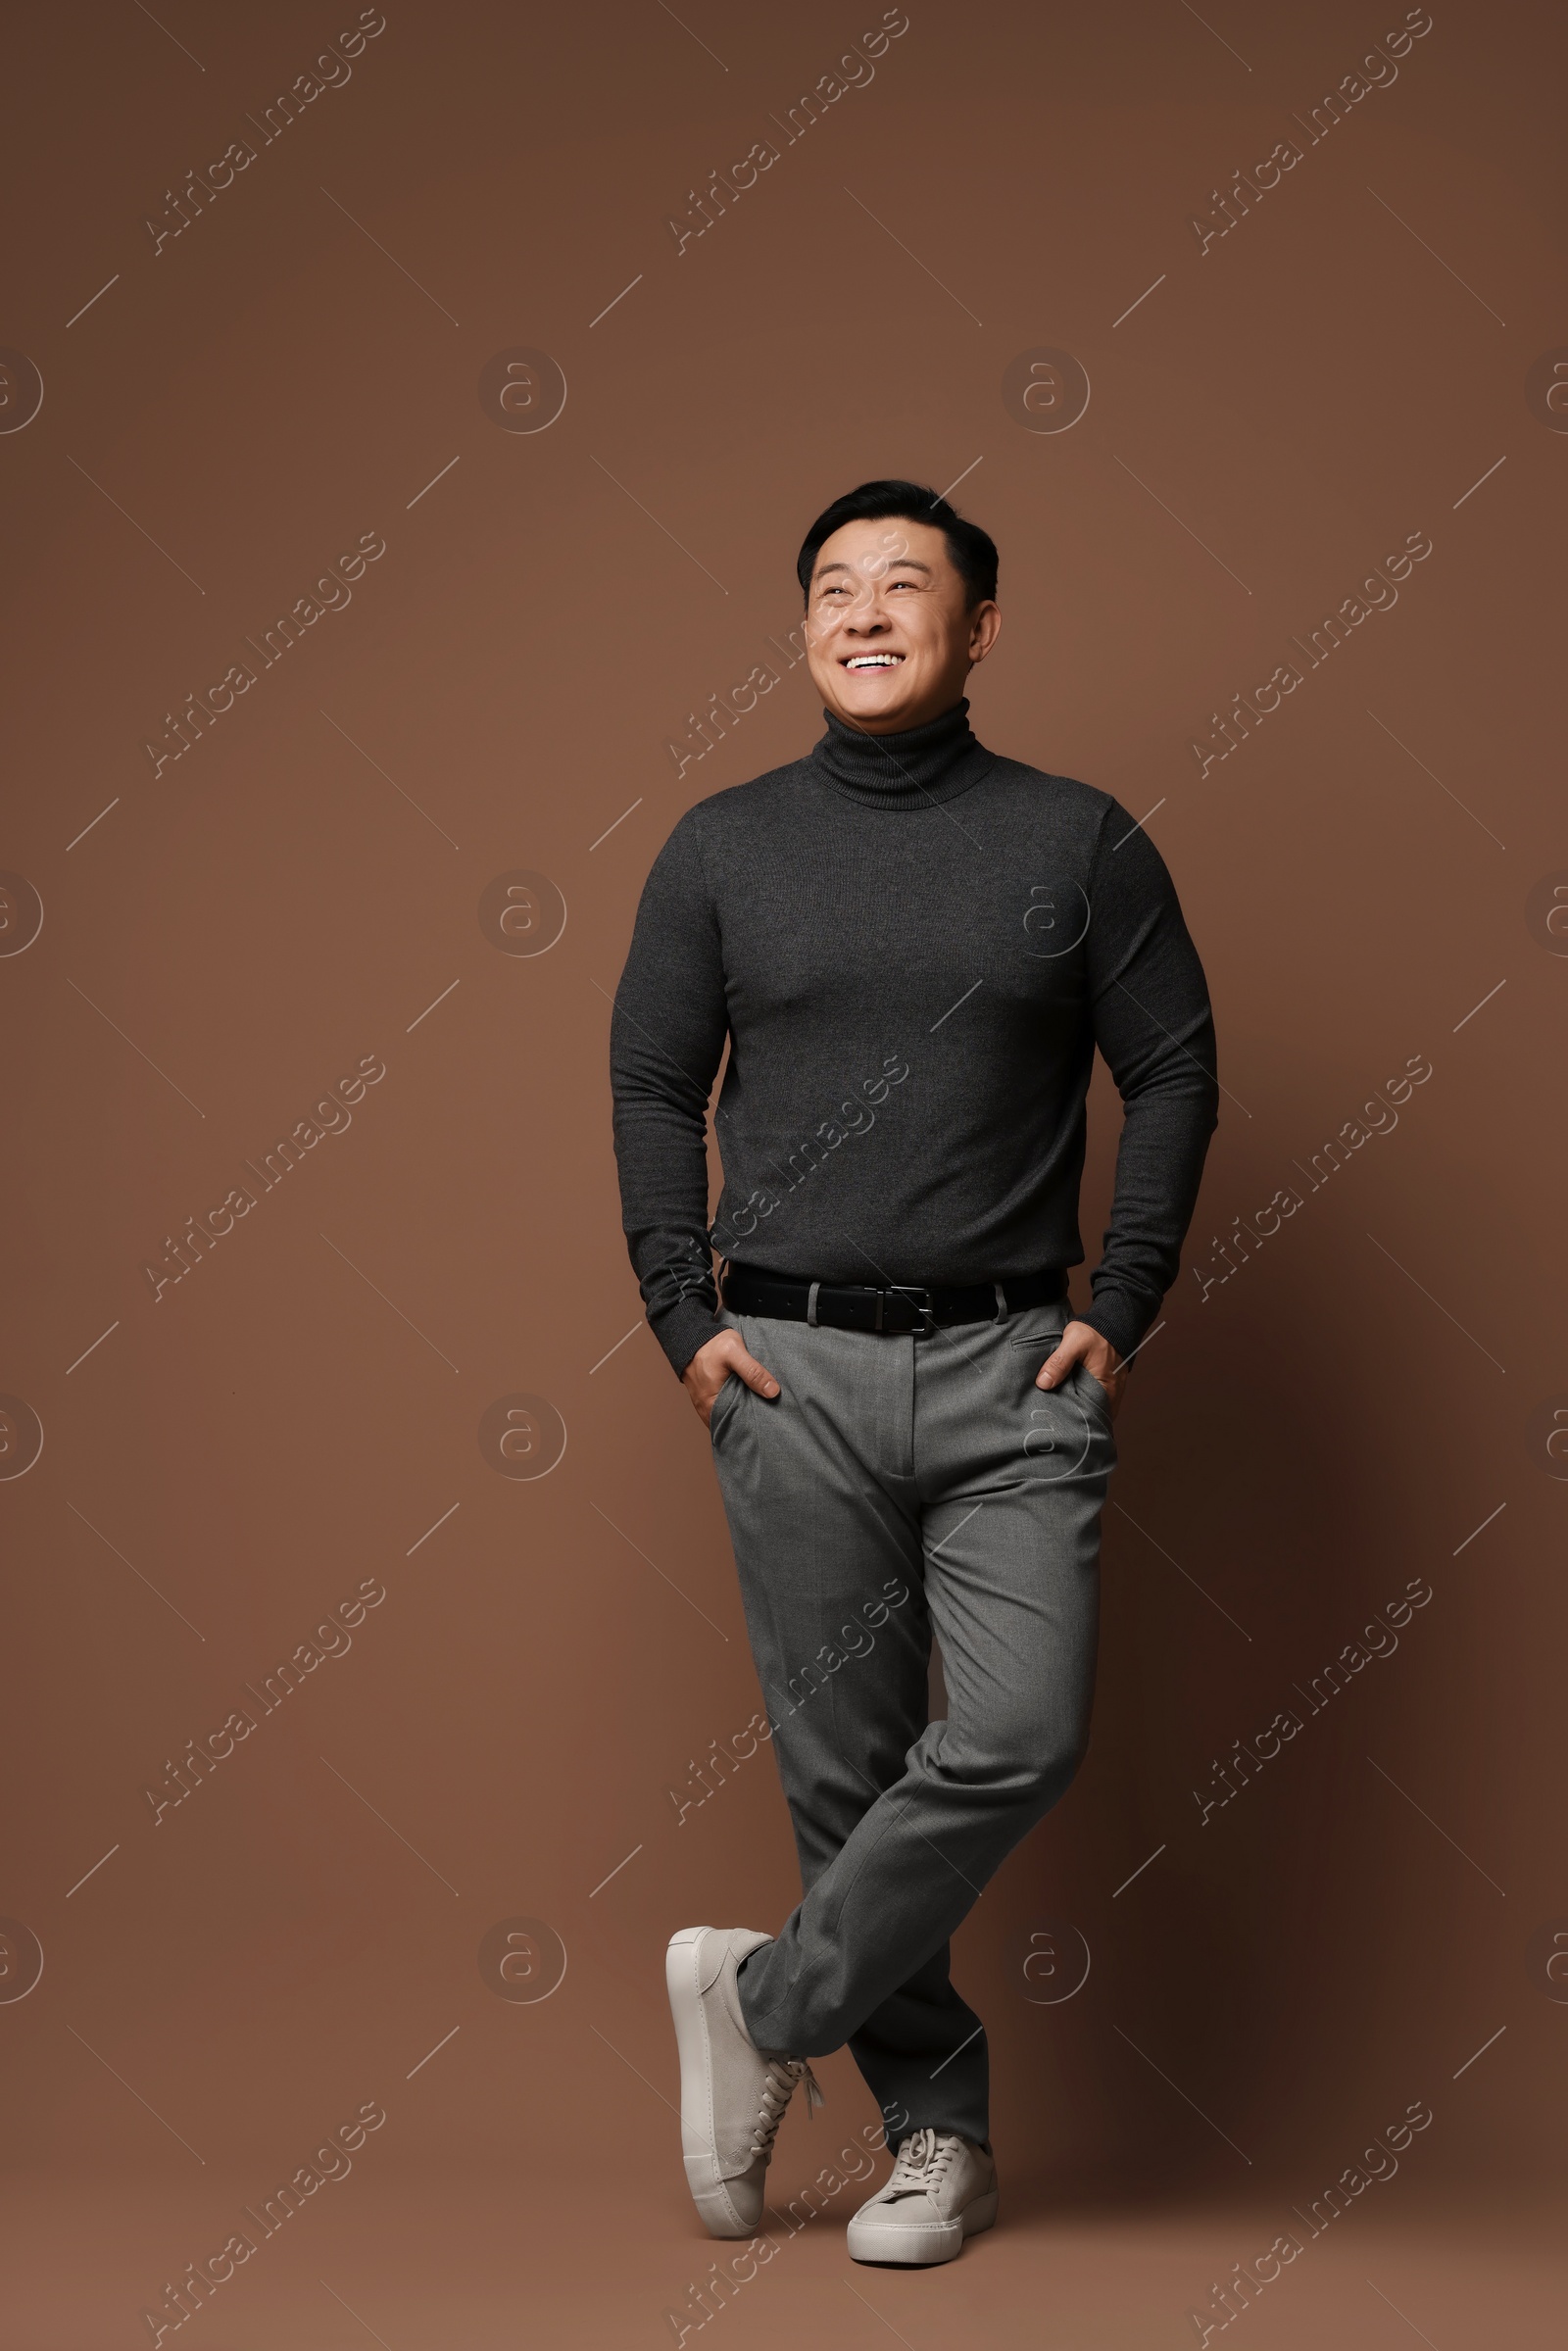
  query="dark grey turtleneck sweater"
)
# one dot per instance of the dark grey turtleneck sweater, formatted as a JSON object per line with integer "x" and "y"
{"x": 914, "y": 948}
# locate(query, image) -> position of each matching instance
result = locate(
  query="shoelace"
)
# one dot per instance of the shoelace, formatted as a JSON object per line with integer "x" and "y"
{"x": 784, "y": 2073}
{"x": 922, "y": 2161}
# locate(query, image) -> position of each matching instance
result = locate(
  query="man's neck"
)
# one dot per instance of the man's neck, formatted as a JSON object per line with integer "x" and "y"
{"x": 913, "y": 768}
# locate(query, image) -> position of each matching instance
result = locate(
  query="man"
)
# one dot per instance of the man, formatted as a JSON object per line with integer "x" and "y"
{"x": 913, "y": 948}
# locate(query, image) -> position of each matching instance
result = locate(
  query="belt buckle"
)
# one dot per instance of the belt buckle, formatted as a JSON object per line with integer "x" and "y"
{"x": 917, "y": 1296}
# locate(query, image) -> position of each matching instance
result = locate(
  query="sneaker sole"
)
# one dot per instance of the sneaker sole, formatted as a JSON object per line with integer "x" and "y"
{"x": 710, "y": 2196}
{"x": 917, "y": 2247}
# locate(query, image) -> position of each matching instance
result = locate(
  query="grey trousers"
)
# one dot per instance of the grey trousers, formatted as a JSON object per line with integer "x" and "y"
{"x": 900, "y": 1485}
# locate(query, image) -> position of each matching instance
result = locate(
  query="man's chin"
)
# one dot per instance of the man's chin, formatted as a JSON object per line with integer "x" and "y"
{"x": 880, "y": 711}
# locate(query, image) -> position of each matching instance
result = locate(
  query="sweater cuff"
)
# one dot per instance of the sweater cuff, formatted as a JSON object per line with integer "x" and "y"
{"x": 688, "y": 1326}
{"x": 1122, "y": 1317}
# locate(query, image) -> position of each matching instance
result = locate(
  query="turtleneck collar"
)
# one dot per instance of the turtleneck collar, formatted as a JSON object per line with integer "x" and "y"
{"x": 913, "y": 770}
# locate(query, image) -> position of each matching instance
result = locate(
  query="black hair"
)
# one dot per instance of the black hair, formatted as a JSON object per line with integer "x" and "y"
{"x": 973, "y": 551}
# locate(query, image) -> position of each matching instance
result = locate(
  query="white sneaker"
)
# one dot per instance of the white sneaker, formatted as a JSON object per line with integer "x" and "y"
{"x": 943, "y": 2190}
{"x": 732, "y": 2094}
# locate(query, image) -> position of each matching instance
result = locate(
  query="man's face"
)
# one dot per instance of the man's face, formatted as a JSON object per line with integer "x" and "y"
{"x": 889, "y": 639}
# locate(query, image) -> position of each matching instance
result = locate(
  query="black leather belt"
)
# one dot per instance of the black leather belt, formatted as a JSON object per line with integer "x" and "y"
{"x": 900, "y": 1307}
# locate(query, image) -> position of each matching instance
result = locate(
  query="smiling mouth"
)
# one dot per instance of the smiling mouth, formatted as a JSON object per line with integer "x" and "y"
{"x": 873, "y": 661}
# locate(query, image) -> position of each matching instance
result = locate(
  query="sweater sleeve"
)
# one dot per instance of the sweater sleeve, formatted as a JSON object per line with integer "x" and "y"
{"x": 1151, "y": 1020}
{"x": 667, "y": 1039}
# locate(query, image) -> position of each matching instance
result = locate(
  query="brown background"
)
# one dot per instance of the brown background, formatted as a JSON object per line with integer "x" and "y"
{"x": 1341, "y": 1416}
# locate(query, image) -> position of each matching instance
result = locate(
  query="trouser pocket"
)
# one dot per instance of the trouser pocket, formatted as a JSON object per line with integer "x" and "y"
{"x": 724, "y": 1403}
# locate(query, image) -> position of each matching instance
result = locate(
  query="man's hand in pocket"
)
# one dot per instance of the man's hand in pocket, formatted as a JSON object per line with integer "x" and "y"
{"x": 704, "y": 1375}
{"x": 1082, "y": 1344}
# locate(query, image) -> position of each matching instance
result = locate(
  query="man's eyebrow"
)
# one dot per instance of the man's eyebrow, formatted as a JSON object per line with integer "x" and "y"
{"x": 909, "y": 562}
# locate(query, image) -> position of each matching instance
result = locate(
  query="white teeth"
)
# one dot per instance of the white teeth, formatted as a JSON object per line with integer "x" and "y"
{"x": 874, "y": 661}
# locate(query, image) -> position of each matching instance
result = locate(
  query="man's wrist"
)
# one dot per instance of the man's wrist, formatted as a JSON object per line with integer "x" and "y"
{"x": 1121, "y": 1321}
{"x": 684, "y": 1331}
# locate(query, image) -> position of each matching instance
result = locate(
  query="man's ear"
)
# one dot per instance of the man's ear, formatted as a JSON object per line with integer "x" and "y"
{"x": 984, "y": 629}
